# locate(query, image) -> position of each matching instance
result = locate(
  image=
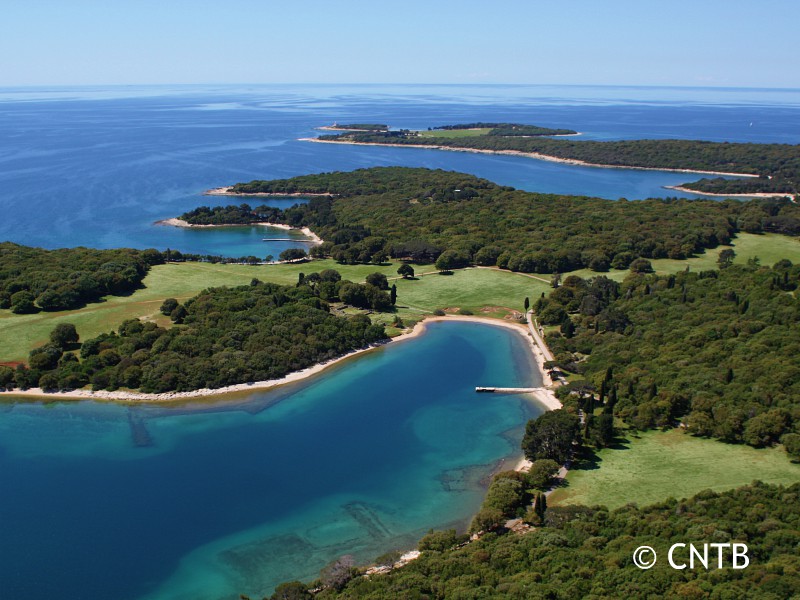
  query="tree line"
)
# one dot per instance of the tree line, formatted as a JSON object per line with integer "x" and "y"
{"x": 586, "y": 552}
{"x": 33, "y": 279}
{"x": 718, "y": 351}
{"x": 420, "y": 214}
{"x": 222, "y": 336}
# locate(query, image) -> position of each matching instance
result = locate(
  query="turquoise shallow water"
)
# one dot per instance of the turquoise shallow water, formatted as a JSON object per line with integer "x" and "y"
{"x": 216, "y": 499}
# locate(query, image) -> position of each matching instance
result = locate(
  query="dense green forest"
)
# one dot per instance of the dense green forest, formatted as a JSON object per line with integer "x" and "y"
{"x": 232, "y": 214}
{"x": 780, "y": 162}
{"x": 222, "y": 336}
{"x": 585, "y": 552}
{"x": 718, "y": 350}
{"x": 720, "y": 185}
{"x": 508, "y": 129}
{"x": 33, "y": 279}
{"x": 420, "y": 214}
{"x": 362, "y": 126}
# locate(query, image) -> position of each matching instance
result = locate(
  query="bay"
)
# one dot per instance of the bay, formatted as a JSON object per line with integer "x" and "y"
{"x": 214, "y": 499}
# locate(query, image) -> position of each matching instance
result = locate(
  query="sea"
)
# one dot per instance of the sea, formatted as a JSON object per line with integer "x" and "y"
{"x": 216, "y": 498}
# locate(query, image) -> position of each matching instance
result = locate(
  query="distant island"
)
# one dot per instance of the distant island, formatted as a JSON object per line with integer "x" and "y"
{"x": 769, "y": 169}
{"x": 356, "y": 127}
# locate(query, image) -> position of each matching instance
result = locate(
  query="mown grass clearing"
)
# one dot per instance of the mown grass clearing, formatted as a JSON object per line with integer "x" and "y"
{"x": 651, "y": 466}
{"x": 483, "y": 291}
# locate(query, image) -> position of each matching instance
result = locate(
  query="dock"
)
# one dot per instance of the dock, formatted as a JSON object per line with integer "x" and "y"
{"x": 500, "y": 390}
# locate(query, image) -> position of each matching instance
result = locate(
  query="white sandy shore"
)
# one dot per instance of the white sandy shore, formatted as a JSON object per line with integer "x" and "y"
{"x": 315, "y": 239}
{"x": 545, "y": 397}
{"x": 755, "y": 195}
{"x": 226, "y": 191}
{"x": 536, "y": 155}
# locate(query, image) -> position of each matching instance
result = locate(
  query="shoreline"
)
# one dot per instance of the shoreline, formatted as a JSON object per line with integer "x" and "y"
{"x": 175, "y": 222}
{"x": 536, "y": 155}
{"x": 226, "y": 191}
{"x": 544, "y": 396}
{"x": 716, "y": 195}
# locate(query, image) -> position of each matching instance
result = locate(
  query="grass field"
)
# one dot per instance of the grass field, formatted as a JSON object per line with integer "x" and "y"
{"x": 656, "y": 465}
{"x": 454, "y": 133}
{"x": 471, "y": 288}
{"x": 483, "y": 291}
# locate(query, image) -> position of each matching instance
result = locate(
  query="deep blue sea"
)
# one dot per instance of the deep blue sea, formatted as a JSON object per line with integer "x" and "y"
{"x": 97, "y": 167}
{"x": 218, "y": 499}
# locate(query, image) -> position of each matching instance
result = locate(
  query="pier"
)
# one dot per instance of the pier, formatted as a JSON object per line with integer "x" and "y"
{"x": 501, "y": 390}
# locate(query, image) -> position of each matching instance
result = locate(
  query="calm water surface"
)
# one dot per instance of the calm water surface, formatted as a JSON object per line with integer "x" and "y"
{"x": 213, "y": 500}
{"x": 96, "y": 167}
{"x": 209, "y": 501}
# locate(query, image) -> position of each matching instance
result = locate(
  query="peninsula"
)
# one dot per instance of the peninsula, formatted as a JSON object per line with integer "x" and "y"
{"x": 762, "y": 169}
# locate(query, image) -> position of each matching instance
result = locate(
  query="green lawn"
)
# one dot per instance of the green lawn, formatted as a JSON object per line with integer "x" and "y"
{"x": 483, "y": 291}
{"x": 470, "y": 288}
{"x": 656, "y": 465}
{"x": 454, "y": 133}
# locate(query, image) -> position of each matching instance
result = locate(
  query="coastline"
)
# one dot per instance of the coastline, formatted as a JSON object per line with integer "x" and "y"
{"x": 544, "y": 396}
{"x": 536, "y": 155}
{"x": 175, "y": 222}
{"x": 226, "y": 191}
{"x": 754, "y": 195}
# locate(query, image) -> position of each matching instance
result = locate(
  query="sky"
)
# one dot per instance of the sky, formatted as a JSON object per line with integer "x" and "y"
{"x": 729, "y": 43}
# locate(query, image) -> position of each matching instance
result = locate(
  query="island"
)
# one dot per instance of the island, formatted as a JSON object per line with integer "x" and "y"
{"x": 763, "y": 169}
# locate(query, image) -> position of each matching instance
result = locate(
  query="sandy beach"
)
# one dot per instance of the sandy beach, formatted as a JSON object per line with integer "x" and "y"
{"x": 756, "y": 195}
{"x": 544, "y": 396}
{"x": 315, "y": 239}
{"x": 536, "y": 155}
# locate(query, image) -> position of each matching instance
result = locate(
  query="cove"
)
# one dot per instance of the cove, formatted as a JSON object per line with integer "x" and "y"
{"x": 220, "y": 498}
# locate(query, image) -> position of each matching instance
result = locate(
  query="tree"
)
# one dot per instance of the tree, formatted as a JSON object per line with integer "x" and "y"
{"x": 378, "y": 280}
{"x": 168, "y": 306}
{"x": 445, "y": 263}
{"x": 292, "y": 590}
{"x": 542, "y": 472}
{"x": 45, "y": 358}
{"x": 405, "y": 271}
{"x": 337, "y": 574}
{"x": 725, "y": 258}
{"x": 393, "y": 294}
{"x": 527, "y": 304}
{"x": 791, "y": 442}
{"x": 293, "y": 254}
{"x": 64, "y": 335}
{"x": 551, "y": 436}
{"x": 641, "y": 265}
{"x": 555, "y": 280}
{"x": 440, "y": 541}
{"x": 22, "y": 303}
{"x": 178, "y": 315}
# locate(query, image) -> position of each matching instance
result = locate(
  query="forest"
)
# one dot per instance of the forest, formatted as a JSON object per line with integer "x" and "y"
{"x": 585, "y": 552}
{"x": 778, "y": 163}
{"x": 33, "y": 279}
{"x": 718, "y": 351}
{"x": 420, "y": 214}
{"x": 507, "y": 129}
{"x": 223, "y": 336}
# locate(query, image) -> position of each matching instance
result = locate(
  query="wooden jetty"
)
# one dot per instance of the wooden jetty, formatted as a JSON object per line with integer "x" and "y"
{"x": 499, "y": 390}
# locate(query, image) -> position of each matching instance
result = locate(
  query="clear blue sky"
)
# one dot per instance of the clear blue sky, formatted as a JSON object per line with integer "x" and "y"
{"x": 625, "y": 42}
